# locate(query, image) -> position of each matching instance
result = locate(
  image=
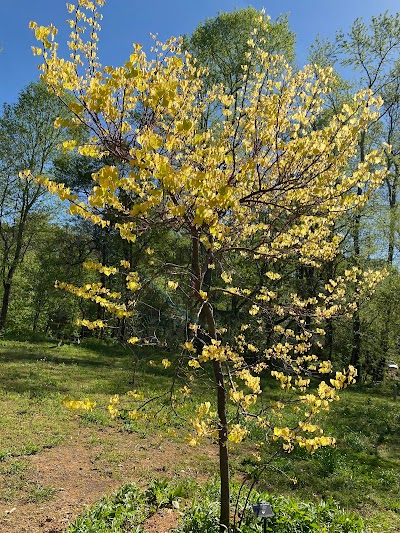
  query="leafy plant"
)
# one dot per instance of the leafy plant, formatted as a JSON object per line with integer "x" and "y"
{"x": 128, "y": 508}
{"x": 291, "y": 516}
{"x": 162, "y": 493}
{"x": 123, "y": 512}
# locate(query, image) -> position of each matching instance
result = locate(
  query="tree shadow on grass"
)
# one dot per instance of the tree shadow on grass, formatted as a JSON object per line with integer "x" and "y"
{"x": 92, "y": 368}
{"x": 44, "y": 369}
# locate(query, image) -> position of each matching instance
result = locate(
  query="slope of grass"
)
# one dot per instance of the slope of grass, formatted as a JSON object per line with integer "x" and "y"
{"x": 362, "y": 473}
{"x": 35, "y": 377}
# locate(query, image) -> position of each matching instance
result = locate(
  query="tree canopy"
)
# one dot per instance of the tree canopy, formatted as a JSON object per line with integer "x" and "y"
{"x": 223, "y": 44}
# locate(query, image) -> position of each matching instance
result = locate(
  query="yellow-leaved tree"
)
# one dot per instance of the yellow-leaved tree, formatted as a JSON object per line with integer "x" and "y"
{"x": 255, "y": 178}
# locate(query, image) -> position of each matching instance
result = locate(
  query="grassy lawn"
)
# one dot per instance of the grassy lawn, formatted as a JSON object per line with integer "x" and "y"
{"x": 362, "y": 473}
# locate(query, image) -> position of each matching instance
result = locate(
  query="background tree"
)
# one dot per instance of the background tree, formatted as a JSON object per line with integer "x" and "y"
{"x": 372, "y": 53}
{"x": 222, "y": 44}
{"x": 56, "y": 252}
{"x": 27, "y": 140}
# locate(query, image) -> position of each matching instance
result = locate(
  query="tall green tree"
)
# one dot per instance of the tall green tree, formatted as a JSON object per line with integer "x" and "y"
{"x": 27, "y": 140}
{"x": 223, "y": 44}
{"x": 368, "y": 55}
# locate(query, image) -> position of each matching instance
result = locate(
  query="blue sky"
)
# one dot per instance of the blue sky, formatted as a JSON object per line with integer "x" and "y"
{"x": 128, "y": 21}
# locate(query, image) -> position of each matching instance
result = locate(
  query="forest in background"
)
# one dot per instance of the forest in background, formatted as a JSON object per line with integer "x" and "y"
{"x": 39, "y": 244}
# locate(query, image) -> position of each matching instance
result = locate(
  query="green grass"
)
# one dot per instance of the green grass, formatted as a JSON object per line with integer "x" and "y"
{"x": 36, "y": 377}
{"x": 361, "y": 474}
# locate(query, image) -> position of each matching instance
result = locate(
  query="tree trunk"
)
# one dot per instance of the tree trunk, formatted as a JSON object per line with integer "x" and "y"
{"x": 18, "y": 255}
{"x": 224, "y": 518}
{"x": 208, "y": 321}
{"x": 35, "y": 320}
{"x": 392, "y": 216}
{"x": 329, "y": 332}
{"x": 5, "y": 304}
{"x": 356, "y": 349}
{"x": 223, "y": 448}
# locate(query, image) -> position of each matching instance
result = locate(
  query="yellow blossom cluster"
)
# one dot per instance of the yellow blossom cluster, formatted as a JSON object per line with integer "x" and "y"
{"x": 216, "y": 352}
{"x": 85, "y": 404}
{"x": 244, "y": 400}
{"x": 94, "y": 324}
{"x": 237, "y": 433}
{"x": 99, "y": 294}
{"x": 107, "y": 270}
{"x": 301, "y": 436}
{"x": 252, "y": 382}
{"x": 112, "y": 406}
{"x": 203, "y": 424}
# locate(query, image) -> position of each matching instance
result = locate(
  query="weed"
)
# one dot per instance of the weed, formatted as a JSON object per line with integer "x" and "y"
{"x": 124, "y": 511}
{"x": 39, "y": 494}
{"x": 162, "y": 493}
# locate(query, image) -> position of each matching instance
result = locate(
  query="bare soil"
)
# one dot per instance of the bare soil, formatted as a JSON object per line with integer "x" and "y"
{"x": 77, "y": 473}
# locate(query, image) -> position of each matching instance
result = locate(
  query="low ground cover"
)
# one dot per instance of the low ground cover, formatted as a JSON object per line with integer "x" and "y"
{"x": 361, "y": 474}
{"x": 130, "y": 509}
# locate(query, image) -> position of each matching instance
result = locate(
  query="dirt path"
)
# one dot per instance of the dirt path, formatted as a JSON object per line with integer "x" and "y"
{"x": 81, "y": 471}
